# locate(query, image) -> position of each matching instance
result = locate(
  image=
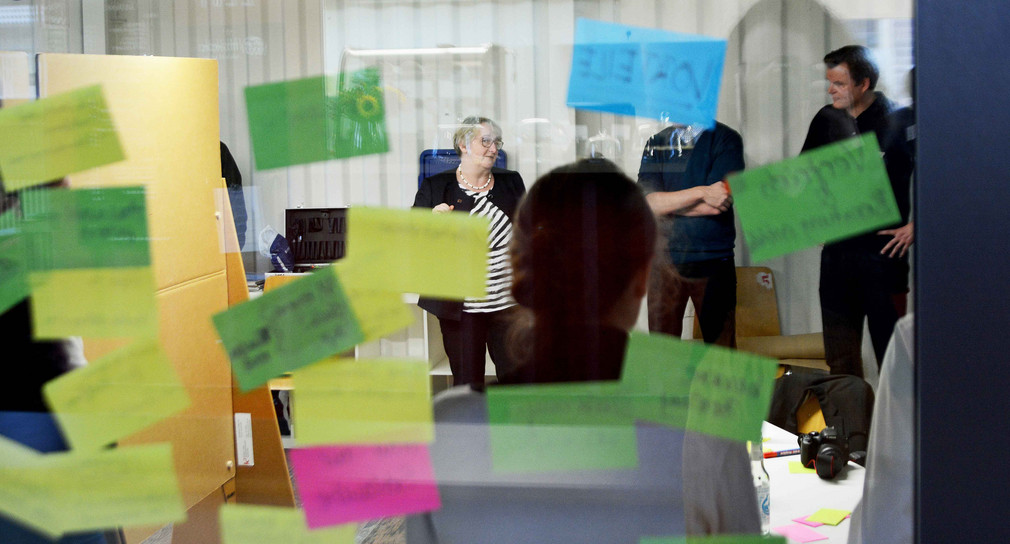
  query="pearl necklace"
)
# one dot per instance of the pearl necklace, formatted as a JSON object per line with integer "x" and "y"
{"x": 459, "y": 170}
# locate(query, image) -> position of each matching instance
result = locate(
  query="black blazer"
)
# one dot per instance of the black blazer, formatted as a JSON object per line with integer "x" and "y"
{"x": 442, "y": 188}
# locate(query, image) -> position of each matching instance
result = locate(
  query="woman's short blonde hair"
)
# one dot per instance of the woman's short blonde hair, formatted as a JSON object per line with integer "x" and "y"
{"x": 468, "y": 128}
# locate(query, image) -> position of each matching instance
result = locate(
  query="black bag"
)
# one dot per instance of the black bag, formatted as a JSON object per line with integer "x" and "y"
{"x": 846, "y": 402}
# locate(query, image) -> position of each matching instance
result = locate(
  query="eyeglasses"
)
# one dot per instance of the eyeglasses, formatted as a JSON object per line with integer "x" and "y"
{"x": 486, "y": 141}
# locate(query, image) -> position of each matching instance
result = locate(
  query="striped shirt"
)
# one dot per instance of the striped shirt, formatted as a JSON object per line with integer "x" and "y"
{"x": 499, "y": 270}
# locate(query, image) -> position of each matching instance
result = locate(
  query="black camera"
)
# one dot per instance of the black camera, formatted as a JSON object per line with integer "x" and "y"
{"x": 826, "y": 451}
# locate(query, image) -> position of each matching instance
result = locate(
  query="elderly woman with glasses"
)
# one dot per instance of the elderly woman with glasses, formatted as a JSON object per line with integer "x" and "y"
{"x": 478, "y": 188}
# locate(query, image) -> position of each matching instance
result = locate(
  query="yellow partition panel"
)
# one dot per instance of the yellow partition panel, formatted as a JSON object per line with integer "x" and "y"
{"x": 166, "y": 113}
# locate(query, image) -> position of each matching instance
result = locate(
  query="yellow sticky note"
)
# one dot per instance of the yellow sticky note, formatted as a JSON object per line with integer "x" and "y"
{"x": 117, "y": 395}
{"x": 417, "y": 251}
{"x": 254, "y": 524}
{"x": 379, "y": 312}
{"x": 44, "y": 140}
{"x": 88, "y": 491}
{"x": 14, "y": 454}
{"x": 379, "y": 401}
{"x": 796, "y": 467}
{"x": 94, "y": 302}
{"x": 828, "y": 516}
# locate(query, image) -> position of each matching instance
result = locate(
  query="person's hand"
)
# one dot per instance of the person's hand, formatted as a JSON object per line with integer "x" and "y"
{"x": 442, "y": 208}
{"x": 903, "y": 238}
{"x": 717, "y": 196}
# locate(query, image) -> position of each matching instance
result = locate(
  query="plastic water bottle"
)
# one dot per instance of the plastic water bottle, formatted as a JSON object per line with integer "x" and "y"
{"x": 761, "y": 485}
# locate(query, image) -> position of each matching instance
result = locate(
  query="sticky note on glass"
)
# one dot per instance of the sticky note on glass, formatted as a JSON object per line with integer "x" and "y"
{"x": 379, "y": 311}
{"x": 416, "y": 251}
{"x": 298, "y": 324}
{"x": 824, "y": 195}
{"x": 116, "y": 395}
{"x": 645, "y": 72}
{"x": 341, "y": 484}
{"x": 578, "y": 426}
{"x": 828, "y": 516}
{"x": 730, "y": 393}
{"x": 658, "y": 371}
{"x": 87, "y": 228}
{"x": 47, "y": 139}
{"x": 714, "y": 539}
{"x": 74, "y": 491}
{"x": 317, "y": 119}
{"x": 255, "y": 524}
{"x": 13, "y": 271}
{"x": 377, "y": 401}
{"x": 94, "y": 302}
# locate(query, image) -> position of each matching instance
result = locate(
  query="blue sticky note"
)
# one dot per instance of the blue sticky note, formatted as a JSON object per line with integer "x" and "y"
{"x": 646, "y": 72}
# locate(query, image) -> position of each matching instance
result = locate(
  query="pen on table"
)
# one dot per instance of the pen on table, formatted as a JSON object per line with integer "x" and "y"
{"x": 783, "y": 453}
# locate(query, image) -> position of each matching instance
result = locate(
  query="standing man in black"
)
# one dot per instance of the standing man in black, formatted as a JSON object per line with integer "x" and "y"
{"x": 865, "y": 275}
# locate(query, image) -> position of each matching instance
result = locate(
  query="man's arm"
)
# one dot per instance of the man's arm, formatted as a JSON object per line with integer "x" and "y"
{"x": 702, "y": 200}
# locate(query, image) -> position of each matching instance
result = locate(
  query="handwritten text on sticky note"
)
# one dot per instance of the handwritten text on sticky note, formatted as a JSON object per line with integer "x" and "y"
{"x": 47, "y": 139}
{"x": 540, "y": 428}
{"x": 411, "y": 251}
{"x": 296, "y": 325}
{"x": 645, "y": 72}
{"x": 340, "y": 484}
{"x": 824, "y": 195}
{"x": 73, "y": 491}
{"x": 116, "y": 395}
{"x": 379, "y": 401}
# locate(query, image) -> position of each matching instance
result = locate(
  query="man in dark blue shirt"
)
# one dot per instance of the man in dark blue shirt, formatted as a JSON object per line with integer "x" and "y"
{"x": 683, "y": 172}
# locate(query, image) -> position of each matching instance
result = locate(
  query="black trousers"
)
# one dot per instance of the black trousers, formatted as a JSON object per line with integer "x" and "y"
{"x": 856, "y": 285}
{"x": 711, "y": 286}
{"x": 465, "y": 341}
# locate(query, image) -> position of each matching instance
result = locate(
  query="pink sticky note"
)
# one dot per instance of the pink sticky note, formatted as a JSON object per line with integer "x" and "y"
{"x": 341, "y": 484}
{"x": 803, "y": 520}
{"x": 799, "y": 533}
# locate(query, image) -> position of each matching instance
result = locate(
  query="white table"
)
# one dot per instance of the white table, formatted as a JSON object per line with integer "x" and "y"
{"x": 795, "y": 495}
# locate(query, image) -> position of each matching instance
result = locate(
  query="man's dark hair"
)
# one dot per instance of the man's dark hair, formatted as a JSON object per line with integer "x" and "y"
{"x": 859, "y": 61}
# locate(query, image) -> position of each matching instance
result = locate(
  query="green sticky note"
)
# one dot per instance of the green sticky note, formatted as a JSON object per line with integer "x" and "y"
{"x": 417, "y": 251}
{"x": 75, "y": 491}
{"x": 379, "y": 312}
{"x": 13, "y": 271}
{"x": 47, "y": 139}
{"x": 659, "y": 369}
{"x": 287, "y": 328}
{"x": 796, "y": 467}
{"x": 86, "y": 228}
{"x": 557, "y": 427}
{"x": 317, "y": 119}
{"x": 828, "y": 516}
{"x": 94, "y": 302}
{"x": 116, "y": 395}
{"x": 254, "y": 524}
{"x": 714, "y": 539}
{"x": 824, "y": 195}
{"x": 379, "y": 401}
{"x": 730, "y": 394}
{"x": 698, "y": 387}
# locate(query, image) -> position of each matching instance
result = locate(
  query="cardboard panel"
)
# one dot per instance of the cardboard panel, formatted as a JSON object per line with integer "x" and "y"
{"x": 166, "y": 112}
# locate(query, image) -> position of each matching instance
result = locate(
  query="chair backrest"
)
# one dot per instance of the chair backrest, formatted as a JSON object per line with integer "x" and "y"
{"x": 757, "y": 308}
{"x": 434, "y": 161}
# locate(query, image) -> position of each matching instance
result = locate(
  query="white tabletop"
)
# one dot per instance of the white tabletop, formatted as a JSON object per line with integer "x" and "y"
{"x": 796, "y": 495}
